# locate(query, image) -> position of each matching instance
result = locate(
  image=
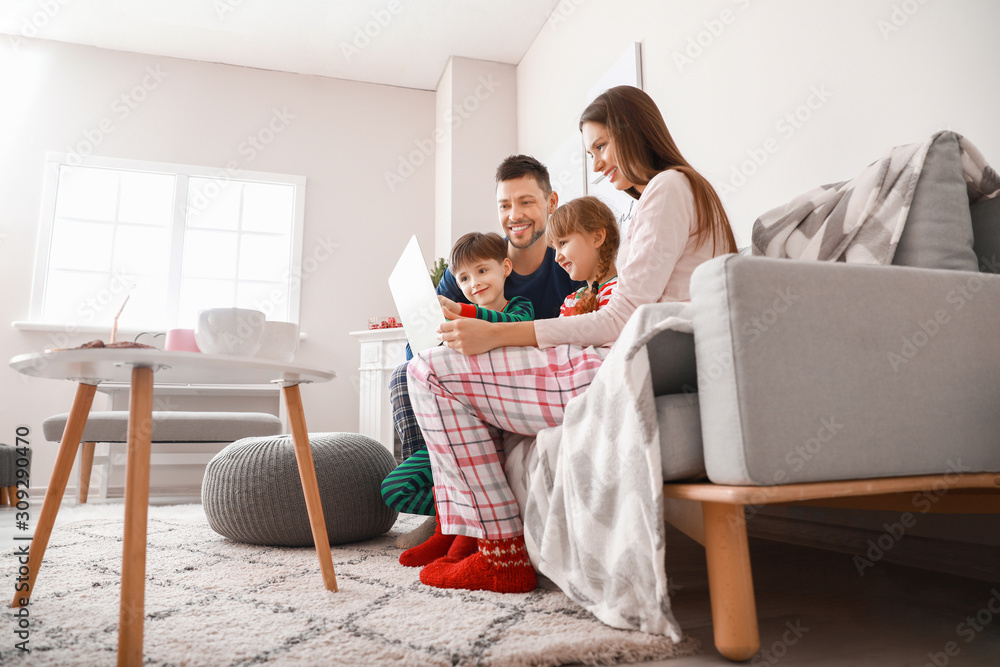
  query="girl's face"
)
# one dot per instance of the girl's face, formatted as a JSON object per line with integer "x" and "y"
{"x": 602, "y": 149}
{"x": 577, "y": 254}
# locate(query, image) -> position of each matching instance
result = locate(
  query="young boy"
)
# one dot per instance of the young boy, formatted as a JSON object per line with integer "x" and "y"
{"x": 480, "y": 266}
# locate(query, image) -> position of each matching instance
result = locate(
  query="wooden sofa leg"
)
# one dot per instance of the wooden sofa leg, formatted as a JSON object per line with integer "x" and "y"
{"x": 730, "y": 582}
{"x": 86, "y": 466}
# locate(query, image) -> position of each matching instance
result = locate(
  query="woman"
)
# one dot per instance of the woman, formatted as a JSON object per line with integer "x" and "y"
{"x": 466, "y": 394}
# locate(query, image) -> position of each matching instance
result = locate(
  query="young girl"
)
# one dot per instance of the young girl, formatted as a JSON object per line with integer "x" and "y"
{"x": 584, "y": 234}
{"x": 463, "y": 402}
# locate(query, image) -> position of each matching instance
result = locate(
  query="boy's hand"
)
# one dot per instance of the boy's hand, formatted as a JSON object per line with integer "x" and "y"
{"x": 451, "y": 310}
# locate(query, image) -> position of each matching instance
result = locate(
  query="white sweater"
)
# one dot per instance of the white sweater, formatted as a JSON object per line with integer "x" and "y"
{"x": 661, "y": 258}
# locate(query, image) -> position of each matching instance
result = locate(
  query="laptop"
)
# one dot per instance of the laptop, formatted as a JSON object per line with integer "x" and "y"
{"x": 416, "y": 301}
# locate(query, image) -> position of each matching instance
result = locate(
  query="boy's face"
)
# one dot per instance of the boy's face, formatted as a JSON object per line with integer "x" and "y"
{"x": 482, "y": 281}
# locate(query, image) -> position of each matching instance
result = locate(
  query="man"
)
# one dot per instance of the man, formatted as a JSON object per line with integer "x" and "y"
{"x": 525, "y": 201}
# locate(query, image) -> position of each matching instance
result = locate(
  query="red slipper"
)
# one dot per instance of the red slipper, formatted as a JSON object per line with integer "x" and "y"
{"x": 436, "y": 546}
{"x": 501, "y": 566}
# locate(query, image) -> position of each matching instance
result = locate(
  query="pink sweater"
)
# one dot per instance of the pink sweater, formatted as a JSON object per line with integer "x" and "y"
{"x": 661, "y": 258}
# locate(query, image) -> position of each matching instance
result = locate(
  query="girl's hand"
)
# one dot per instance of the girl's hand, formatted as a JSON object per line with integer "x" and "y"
{"x": 451, "y": 310}
{"x": 468, "y": 336}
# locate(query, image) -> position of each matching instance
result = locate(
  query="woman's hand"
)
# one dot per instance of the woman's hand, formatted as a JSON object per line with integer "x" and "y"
{"x": 473, "y": 336}
{"x": 469, "y": 335}
{"x": 451, "y": 310}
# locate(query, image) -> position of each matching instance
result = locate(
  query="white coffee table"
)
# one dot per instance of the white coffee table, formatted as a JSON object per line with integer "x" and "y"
{"x": 89, "y": 368}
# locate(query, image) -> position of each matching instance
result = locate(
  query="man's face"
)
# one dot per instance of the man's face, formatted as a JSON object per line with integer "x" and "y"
{"x": 523, "y": 209}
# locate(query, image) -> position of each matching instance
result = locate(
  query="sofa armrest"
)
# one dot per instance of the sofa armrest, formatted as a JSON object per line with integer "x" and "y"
{"x": 811, "y": 371}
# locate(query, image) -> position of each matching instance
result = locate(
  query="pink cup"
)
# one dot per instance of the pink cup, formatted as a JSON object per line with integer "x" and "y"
{"x": 181, "y": 340}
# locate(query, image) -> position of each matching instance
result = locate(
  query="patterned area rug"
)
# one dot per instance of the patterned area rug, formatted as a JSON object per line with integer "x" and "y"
{"x": 212, "y": 601}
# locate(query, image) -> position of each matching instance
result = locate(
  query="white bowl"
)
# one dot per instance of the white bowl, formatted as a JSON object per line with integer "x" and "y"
{"x": 231, "y": 331}
{"x": 280, "y": 341}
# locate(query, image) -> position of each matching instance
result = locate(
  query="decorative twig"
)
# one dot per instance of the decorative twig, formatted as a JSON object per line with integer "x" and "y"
{"x": 114, "y": 327}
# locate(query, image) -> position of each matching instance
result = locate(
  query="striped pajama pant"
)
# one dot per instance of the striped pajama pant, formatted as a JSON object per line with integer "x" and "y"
{"x": 463, "y": 403}
{"x": 409, "y": 488}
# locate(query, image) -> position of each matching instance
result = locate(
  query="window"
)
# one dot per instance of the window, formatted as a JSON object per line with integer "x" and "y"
{"x": 173, "y": 239}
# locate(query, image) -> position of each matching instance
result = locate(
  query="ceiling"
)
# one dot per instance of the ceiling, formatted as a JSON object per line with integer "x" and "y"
{"x": 394, "y": 42}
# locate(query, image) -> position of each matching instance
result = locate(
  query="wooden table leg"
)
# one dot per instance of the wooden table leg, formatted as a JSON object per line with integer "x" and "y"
{"x": 71, "y": 437}
{"x": 307, "y": 473}
{"x": 730, "y": 582}
{"x": 86, "y": 466}
{"x": 133, "y": 593}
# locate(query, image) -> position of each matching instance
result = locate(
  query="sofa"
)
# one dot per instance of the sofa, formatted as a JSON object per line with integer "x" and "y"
{"x": 837, "y": 385}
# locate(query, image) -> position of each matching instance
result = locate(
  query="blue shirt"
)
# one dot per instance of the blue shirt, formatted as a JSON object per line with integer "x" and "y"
{"x": 546, "y": 288}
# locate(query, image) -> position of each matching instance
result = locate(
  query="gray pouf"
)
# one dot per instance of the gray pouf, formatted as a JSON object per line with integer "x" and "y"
{"x": 252, "y": 491}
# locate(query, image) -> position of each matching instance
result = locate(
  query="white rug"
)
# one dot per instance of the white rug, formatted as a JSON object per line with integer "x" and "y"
{"x": 212, "y": 601}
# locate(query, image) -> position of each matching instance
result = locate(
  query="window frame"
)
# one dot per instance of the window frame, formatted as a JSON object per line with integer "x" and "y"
{"x": 182, "y": 173}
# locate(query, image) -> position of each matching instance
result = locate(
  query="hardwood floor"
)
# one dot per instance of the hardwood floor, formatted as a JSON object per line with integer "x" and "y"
{"x": 815, "y": 608}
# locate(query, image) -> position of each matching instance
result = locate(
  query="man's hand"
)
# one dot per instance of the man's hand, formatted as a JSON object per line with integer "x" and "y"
{"x": 451, "y": 310}
{"x": 469, "y": 335}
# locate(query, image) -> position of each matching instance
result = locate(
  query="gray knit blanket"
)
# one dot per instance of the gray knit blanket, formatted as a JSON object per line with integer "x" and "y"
{"x": 591, "y": 490}
{"x": 861, "y": 220}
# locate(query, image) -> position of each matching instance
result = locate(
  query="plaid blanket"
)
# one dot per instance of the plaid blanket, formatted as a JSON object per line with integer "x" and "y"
{"x": 861, "y": 220}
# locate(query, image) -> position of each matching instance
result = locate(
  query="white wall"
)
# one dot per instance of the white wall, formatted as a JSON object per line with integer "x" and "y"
{"x": 345, "y": 138}
{"x": 890, "y": 71}
{"x": 925, "y": 67}
{"x": 477, "y": 126}
{"x": 443, "y": 165}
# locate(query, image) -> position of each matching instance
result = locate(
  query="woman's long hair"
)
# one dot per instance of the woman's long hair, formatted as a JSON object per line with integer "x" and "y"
{"x": 644, "y": 148}
{"x": 587, "y": 215}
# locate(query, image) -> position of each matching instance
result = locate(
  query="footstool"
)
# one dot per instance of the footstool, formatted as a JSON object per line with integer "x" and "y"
{"x": 8, "y": 471}
{"x": 251, "y": 491}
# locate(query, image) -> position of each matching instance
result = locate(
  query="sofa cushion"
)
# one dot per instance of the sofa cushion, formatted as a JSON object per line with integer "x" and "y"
{"x": 938, "y": 229}
{"x": 818, "y": 371}
{"x": 681, "y": 450}
{"x": 986, "y": 234}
